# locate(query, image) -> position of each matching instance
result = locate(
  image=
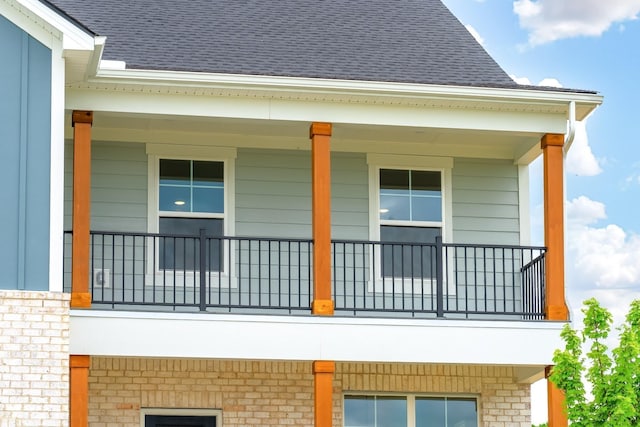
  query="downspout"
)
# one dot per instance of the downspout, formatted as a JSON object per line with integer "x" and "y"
{"x": 96, "y": 57}
{"x": 571, "y": 131}
{"x": 571, "y": 134}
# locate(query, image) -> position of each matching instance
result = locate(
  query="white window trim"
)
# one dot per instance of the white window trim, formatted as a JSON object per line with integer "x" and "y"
{"x": 181, "y": 412}
{"x": 227, "y": 155}
{"x": 411, "y": 401}
{"x": 444, "y": 165}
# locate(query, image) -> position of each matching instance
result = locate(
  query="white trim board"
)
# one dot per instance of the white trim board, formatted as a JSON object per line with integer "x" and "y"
{"x": 236, "y": 336}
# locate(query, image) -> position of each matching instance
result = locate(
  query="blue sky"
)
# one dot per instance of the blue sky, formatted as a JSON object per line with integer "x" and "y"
{"x": 583, "y": 44}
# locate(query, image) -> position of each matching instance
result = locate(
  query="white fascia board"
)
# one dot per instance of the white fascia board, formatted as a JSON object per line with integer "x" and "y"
{"x": 34, "y": 13}
{"x": 315, "y": 85}
{"x": 366, "y": 113}
{"x": 220, "y": 336}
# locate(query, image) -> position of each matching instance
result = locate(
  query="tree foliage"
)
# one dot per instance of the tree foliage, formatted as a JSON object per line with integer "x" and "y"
{"x": 614, "y": 376}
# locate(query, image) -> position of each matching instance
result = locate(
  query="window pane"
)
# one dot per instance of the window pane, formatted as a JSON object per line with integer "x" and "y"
{"x": 409, "y": 195}
{"x": 183, "y": 253}
{"x": 430, "y": 412}
{"x": 175, "y": 172}
{"x": 408, "y": 260}
{"x": 359, "y": 411}
{"x": 179, "y": 421}
{"x": 391, "y": 412}
{"x": 394, "y": 179}
{"x": 394, "y": 207}
{"x": 208, "y": 200}
{"x": 462, "y": 413}
{"x": 210, "y": 174}
{"x": 425, "y": 180}
{"x": 174, "y": 199}
{"x": 426, "y": 207}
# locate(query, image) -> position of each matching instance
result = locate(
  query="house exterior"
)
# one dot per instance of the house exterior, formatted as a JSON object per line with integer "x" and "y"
{"x": 295, "y": 213}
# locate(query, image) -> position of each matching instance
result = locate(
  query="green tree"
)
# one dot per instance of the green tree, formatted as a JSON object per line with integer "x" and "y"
{"x": 614, "y": 375}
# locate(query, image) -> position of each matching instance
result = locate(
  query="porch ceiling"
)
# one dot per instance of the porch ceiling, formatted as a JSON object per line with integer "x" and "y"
{"x": 522, "y": 147}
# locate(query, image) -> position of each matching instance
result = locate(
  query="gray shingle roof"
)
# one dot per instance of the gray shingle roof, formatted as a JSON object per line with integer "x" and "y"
{"x": 412, "y": 41}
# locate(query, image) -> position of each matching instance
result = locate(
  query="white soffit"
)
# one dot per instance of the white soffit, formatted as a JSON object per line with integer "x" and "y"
{"x": 220, "y": 336}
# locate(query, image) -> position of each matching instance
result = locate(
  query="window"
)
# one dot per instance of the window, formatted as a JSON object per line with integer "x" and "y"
{"x": 190, "y": 189}
{"x": 410, "y": 205}
{"x": 190, "y": 199}
{"x": 410, "y": 411}
{"x": 410, "y": 212}
{"x": 181, "y": 418}
{"x": 179, "y": 421}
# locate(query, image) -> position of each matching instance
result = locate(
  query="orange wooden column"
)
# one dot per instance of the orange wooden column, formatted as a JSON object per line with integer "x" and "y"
{"x": 82, "y": 122}
{"x": 552, "y": 148}
{"x": 323, "y": 371}
{"x": 320, "y": 134}
{"x": 555, "y": 403}
{"x": 78, "y": 391}
{"x": 556, "y": 308}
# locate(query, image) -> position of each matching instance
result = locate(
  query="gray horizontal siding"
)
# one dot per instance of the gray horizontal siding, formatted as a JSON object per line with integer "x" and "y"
{"x": 273, "y": 194}
{"x": 118, "y": 186}
{"x": 485, "y": 202}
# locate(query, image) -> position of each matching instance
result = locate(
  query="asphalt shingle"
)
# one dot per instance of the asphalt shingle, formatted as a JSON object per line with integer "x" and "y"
{"x": 412, "y": 41}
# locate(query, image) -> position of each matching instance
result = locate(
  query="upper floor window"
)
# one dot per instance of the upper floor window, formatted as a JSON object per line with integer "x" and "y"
{"x": 190, "y": 199}
{"x": 191, "y": 186}
{"x": 191, "y": 190}
{"x": 410, "y": 212}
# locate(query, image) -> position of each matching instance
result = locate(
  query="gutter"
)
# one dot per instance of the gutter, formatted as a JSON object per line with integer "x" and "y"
{"x": 571, "y": 131}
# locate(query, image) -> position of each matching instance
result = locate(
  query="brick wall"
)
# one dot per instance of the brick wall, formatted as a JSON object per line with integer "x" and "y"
{"x": 252, "y": 393}
{"x": 34, "y": 359}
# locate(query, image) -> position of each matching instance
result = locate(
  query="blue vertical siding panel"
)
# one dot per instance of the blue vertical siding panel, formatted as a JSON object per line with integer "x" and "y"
{"x": 10, "y": 78}
{"x": 38, "y": 167}
{"x": 25, "y": 135}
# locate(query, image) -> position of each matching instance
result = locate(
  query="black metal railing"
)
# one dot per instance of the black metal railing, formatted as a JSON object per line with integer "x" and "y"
{"x": 265, "y": 275}
{"x": 231, "y": 273}
{"x": 452, "y": 280}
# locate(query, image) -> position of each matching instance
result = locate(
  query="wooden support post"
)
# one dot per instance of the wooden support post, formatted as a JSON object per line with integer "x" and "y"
{"x": 555, "y": 403}
{"x": 79, "y": 390}
{"x": 320, "y": 134}
{"x": 82, "y": 122}
{"x": 323, "y": 393}
{"x": 552, "y": 148}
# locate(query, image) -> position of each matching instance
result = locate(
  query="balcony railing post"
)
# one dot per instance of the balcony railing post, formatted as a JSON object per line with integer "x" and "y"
{"x": 439, "y": 279}
{"x": 203, "y": 270}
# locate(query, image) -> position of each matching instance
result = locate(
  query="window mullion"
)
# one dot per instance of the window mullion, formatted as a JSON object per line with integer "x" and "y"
{"x": 190, "y": 185}
{"x": 411, "y": 410}
{"x": 410, "y": 196}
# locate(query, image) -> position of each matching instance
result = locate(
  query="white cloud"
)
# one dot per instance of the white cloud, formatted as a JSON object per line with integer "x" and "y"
{"x": 476, "y": 35}
{"x": 580, "y": 158}
{"x": 633, "y": 178}
{"x": 585, "y": 211}
{"x": 521, "y": 80}
{"x": 599, "y": 257}
{"x": 550, "y": 20}
{"x": 549, "y": 82}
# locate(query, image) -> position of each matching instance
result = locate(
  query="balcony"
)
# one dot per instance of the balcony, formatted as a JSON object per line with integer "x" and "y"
{"x": 151, "y": 271}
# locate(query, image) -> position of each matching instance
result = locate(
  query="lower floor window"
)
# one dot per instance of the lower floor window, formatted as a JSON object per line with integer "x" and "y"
{"x": 409, "y": 411}
{"x": 179, "y": 421}
{"x": 182, "y": 417}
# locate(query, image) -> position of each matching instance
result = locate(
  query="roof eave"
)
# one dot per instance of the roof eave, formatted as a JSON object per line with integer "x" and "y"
{"x": 586, "y": 102}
